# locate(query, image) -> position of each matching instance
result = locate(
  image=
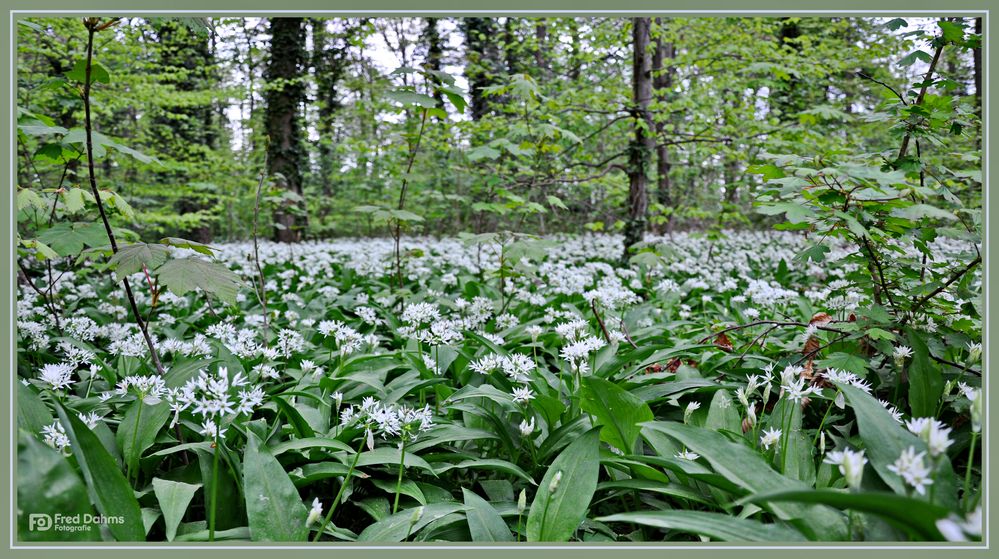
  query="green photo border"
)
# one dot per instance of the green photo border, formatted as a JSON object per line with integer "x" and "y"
{"x": 387, "y": 8}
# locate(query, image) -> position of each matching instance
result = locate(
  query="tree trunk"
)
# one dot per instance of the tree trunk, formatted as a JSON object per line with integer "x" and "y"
{"x": 482, "y": 61}
{"x": 977, "y": 57}
{"x": 640, "y": 151}
{"x": 285, "y": 156}
{"x": 434, "y": 60}
{"x": 541, "y": 38}
{"x": 662, "y": 81}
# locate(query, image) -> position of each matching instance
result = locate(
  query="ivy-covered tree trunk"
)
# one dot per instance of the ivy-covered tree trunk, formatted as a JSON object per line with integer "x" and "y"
{"x": 330, "y": 59}
{"x": 483, "y": 60}
{"x": 286, "y": 92}
{"x": 663, "y": 71}
{"x": 189, "y": 127}
{"x": 434, "y": 60}
{"x": 640, "y": 150}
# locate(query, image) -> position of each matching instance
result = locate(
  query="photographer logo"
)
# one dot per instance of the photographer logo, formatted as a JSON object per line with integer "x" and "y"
{"x": 39, "y": 522}
{"x": 42, "y": 522}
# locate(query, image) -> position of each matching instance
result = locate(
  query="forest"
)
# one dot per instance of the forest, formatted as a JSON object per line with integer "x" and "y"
{"x": 322, "y": 280}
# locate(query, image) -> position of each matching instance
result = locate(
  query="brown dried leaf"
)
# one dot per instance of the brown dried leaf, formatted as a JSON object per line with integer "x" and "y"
{"x": 723, "y": 342}
{"x": 820, "y": 319}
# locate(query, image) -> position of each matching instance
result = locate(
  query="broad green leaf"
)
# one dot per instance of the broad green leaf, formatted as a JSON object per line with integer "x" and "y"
{"x": 98, "y": 73}
{"x": 181, "y": 275}
{"x": 70, "y": 238}
{"x": 391, "y": 457}
{"x": 916, "y": 517}
{"x": 925, "y": 379}
{"x": 619, "y": 411}
{"x": 717, "y": 526}
{"x": 47, "y": 484}
{"x": 412, "y": 98}
{"x": 494, "y": 464}
{"x": 557, "y": 511}
{"x": 746, "y": 468}
{"x": 396, "y": 527}
{"x": 274, "y": 508}
{"x": 131, "y": 258}
{"x": 32, "y": 413}
{"x": 174, "y": 498}
{"x": 919, "y": 211}
{"x": 107, "y": 486}
{"x": 308, "y": 443}
{"x": 184, "y": 243}
{"x": 28, "y": 198}
{"x": 884, "y": 438}
{"x": 722, "y": 413}
{"x": 134, "y": 440}
{"x": 484, "y": 523}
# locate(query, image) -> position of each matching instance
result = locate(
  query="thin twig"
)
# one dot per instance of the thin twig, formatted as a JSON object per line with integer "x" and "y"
{"x": 92, "y": 27}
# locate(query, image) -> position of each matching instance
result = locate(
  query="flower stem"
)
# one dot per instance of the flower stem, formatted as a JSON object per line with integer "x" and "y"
{"x": 967, "y": 471}
{"x": 824, "y": 417}
{"x": 402, "y": 468}
{"x": 215, "y": 489}
{"x": 133, "y": 461}
{"x": 339, "y": 494}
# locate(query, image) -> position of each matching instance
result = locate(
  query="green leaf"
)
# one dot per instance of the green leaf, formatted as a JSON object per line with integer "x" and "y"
{"x": 717, "y": 526}
{"x": 32, "y": 414}
{"x": 494, "y": 464}
{"x": 107, "y": 486}
{"x": 181, "y": 275}
{"x": 309, "y": 442}
{"x": 896, "y": 24}
{"x": 484, "y": 523}
{"x": 174, "y": 498}
{"x": 619, "y": 411}
{"x": 722, "y": 413}
{"x": 746, "y": 468}
{"x": 396, "y": 527}
{"x": 844, "y": 361}
{"x": 28, "y": 198}
{"x": 75, "y": 199}
{"x": 131, "y": 258}
{"x": 133, "y": 442}
{"x": 390, "y": 456}
{"x": 925, "y": 379}
{"x": 884, "y": 438}
{"x": 185, "y": 243}
{"x": 951, "y": 31}
{"x": 914, "y": 516}
{"x": 98, "y": 73}
{"x": 918, "y": 211}
{"x": 555, "y": 516}
{"x": 412, "y": 98}
{"x": 42, "y": 250}
{"x": 274, "y": 508}
{"x": 911, "y": 58}
{"x": 70, "y": 238}
{"x": 47, "y": 484}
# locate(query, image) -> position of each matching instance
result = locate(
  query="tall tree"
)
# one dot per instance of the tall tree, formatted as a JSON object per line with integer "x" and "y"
{"x": 483, "y": 60}
{"x": 330, "y": 60}
{"x": 640, "y": 150}
{"x": 187, "y": 122}
{"x": 663, "y": 72}
{"x": 285, "y": 94}
{"x": 434, "y": 58}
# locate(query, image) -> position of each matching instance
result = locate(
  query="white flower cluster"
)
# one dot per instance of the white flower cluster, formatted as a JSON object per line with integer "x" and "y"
{"x": 516, "y": 366}
{"x": 388, "y": 420}
{"x": 931, "y": 432}
{"x": 215, "y": 397}
{"x": 56, "y": 375}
